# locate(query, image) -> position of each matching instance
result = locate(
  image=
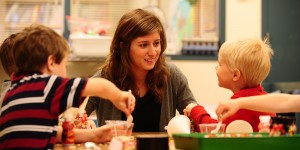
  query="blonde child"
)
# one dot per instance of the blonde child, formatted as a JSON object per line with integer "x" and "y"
{"x": 243, "y": 65}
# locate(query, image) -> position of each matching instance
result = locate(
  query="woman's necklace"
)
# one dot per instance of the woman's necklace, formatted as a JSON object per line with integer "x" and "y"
{"x": 141, "y": 91}
{"x": 138, "y": 92}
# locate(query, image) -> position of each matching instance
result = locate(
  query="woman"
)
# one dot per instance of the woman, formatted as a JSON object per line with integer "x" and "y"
{"x": 136, "y": 62}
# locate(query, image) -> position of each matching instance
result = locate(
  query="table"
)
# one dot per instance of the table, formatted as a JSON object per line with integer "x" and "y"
{"x": 105, "y": 146}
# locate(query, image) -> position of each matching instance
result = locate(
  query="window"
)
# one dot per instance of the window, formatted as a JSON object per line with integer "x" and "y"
{"x": 17, "y": 14}
{"x": 107, "y": 12}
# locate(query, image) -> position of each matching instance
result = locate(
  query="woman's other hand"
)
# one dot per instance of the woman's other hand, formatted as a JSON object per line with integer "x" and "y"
{"x": 226, "y": 109}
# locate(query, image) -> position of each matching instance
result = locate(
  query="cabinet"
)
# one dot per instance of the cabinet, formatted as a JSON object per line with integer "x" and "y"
{"x": 17, "y": 14}
{"x": 106, "y": 12}
{"x": 280, "y": 20}
{"x": 88, "y": 19}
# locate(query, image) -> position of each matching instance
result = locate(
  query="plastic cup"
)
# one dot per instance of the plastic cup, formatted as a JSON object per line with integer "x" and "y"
{"x": 120, "y": 127}
{"x": 207, "y": 128}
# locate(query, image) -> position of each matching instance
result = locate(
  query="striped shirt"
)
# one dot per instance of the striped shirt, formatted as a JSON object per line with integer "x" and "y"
{"x": 30, "y": 110}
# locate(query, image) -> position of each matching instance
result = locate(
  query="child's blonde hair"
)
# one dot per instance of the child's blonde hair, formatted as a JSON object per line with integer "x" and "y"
{"x": 251, "y": 56}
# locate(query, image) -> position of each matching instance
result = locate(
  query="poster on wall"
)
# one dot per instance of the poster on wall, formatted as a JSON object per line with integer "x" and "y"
{"x": 192, "y": 24}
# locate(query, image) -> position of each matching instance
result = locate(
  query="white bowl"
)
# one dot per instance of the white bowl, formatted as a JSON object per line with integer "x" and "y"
{"x": 90, "y": 46}
{"x": 239, "y": 126}
{"x": 179, "y": 124}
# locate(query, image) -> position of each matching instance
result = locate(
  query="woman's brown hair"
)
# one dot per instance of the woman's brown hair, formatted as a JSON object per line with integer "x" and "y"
{"x": 116, "y": 68}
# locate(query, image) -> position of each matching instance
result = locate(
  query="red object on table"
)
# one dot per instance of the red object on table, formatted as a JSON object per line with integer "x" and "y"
{"x": 68, "y": 135}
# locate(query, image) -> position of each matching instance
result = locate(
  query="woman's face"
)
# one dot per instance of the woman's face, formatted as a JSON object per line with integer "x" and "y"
{"x": 144, "y": 51}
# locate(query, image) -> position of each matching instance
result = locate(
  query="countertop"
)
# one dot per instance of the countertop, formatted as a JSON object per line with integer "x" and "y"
{"x": 135, "y": 135}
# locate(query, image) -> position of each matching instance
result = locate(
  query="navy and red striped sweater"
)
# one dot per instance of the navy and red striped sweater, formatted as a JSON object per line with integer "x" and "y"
{"x": 30, "y": 109}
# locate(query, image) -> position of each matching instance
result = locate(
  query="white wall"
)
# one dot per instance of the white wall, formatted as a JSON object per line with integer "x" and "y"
{"x": 133, "y": 4}
{"x": 203, "y": 80}
{"x": 243, "y": 19}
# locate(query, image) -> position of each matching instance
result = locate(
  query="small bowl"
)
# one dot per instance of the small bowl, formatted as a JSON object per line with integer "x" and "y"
{"x": 179, "y": 124}
{"x": 207, "y": 128}
{"x": 120, "y": 127}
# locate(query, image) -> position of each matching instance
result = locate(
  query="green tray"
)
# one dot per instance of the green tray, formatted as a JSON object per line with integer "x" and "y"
{"x": 198, "y": 141}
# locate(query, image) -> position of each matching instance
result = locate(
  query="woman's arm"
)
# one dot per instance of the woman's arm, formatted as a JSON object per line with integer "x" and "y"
{"x": 277, "y": 103}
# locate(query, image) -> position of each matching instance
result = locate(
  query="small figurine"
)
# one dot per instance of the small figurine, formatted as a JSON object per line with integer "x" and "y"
{"x": 277, "y": 130}
{"x": 292, "y": 129}
{"x": 81, "y": 119}
{"x": 264, "y": 125}
{"x": 68, "y": 135}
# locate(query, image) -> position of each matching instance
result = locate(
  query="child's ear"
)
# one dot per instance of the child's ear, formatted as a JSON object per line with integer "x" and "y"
{"x": 50, "y": 63}
{"x": 236, "y": 74}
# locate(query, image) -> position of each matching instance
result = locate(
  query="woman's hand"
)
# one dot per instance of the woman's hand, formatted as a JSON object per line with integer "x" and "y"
{"x": 226, "y": 109}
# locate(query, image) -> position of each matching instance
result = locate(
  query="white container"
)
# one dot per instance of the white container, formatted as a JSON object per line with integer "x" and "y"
{"x": 179, "y": 124}
{"x": 90, "y": 46}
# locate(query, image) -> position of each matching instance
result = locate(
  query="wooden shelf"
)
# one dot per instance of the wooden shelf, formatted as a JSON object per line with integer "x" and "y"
{"x": 191, "y": 57}
{"x": 21, "y": 26}
{"x": 73, "y": 58}
{"x": 93, "y": 1}
{"x": 31, "y": 1}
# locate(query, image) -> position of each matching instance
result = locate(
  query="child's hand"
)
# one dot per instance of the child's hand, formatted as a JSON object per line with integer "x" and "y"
{"x": 102, "y": 134}
{"x": 91, "y": 124}
{"x": 125, "y": 102}
{"x": 188, "y": 109}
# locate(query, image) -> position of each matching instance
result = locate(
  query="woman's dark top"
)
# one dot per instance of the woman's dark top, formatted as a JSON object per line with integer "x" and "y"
{"x": 146, "y": 115}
